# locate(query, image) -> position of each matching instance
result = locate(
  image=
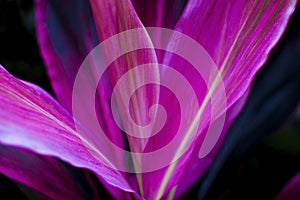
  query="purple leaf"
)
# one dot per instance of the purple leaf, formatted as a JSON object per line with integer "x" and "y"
{"x": 166, "y": 12}
{"x": 41, "y": 173}
{"x": 238, "y": 35}
{"x": 65, "y": 38}
{"x": 291, "y": 189}
{"x": 33, "y": 120}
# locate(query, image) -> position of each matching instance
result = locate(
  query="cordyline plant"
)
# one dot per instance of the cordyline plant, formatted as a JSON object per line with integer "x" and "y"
{"x": 216, "y": 46}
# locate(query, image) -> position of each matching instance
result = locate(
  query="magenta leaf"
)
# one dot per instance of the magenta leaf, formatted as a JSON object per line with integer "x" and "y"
{"x": 167, "y": 12}
{"x": 33, "y": 120}
{"x": 238, "y": 35}
{"x": 291, "y": 189}
{"x": 264, "y": 114}
{"x": 41, "y": 173}
{"x": 65, "y": 38}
